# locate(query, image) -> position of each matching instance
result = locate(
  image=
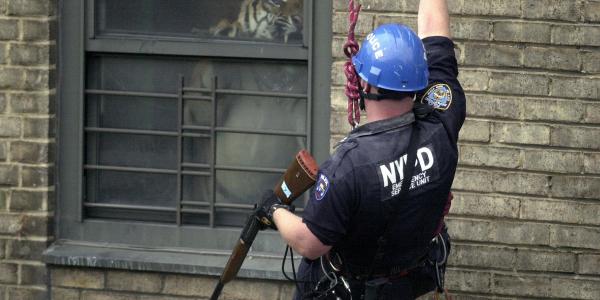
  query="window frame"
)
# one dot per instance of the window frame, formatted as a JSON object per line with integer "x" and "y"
{"x": 72, "y": 231}
{"x": 195, "y": 46}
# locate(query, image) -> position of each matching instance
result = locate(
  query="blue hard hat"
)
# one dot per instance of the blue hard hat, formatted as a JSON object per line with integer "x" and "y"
{"x": 393, "y": 57}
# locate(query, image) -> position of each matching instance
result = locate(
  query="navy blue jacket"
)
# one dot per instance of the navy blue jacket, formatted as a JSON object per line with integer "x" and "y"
{"x": 346, "y": 207}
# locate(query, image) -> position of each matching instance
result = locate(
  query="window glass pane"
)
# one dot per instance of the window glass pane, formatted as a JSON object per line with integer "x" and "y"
{"x": 197, "y": 113}
{"x": 202, "y": 219}
{"x": 130, "y": 150}
{"x": 136, "y": 73}
{"x": 131, "y": 112}
{"x": 268, "y": 76}
{"x": 256, "y": 150}
{"x": 131, "y": 188}
{"x": 161, "y": 74}
{"x": 120, "y": 213}
{"x": 241, "y": 187}
{"x": 196, "y": 189}
{"x": 262, "y": 113}
{"x": 275, "y": 21}
{"x": 231, "y": 217}
{"x": 196, "y": 150}
{"x": 143, "y": 130}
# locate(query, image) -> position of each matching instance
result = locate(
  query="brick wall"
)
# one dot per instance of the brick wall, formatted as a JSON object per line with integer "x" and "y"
{"x": 26, "y": 144}
{"x": 526, "y": 217}
{"x": 85, "y": 284}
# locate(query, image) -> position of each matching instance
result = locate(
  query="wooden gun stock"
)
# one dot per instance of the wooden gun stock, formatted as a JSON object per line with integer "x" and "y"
{"x": 299, "y": 177}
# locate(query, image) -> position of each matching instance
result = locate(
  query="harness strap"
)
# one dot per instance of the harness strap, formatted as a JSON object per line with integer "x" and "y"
{"x": 378, "y": 97}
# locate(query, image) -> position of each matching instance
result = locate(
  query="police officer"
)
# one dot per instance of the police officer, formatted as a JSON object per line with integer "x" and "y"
{"x": 359, "y": 226}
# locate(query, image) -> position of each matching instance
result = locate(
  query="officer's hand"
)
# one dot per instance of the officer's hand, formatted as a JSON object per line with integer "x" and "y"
{"x": 265, "y": 208}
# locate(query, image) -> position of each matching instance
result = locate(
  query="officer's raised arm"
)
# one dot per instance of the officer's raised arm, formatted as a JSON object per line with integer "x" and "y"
{"x": 433, "y": 19}
{"x": 444, "y": 92}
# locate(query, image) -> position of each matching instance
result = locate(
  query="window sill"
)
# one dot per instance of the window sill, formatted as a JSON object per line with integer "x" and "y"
{"x": 186, "y": 261}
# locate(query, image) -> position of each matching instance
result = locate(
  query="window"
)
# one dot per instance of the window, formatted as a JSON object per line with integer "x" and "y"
{"x": 176, "y": 115}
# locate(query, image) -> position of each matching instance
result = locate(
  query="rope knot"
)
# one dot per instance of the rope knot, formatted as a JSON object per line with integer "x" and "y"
{"x": 351, "y": 47}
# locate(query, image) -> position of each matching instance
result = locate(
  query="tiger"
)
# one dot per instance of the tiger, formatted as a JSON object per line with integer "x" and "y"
{"x": 263, "y": 21}
{"x": 272, "y": 20}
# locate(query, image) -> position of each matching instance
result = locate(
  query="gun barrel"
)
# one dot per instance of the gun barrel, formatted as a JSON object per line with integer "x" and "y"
{"x": 240, "y": 250}
{"x": 217, "y": 291}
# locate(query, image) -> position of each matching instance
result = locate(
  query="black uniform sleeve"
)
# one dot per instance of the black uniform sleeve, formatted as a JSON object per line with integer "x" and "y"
{"x": 329, "y": 209}
{"x": 444, "y": 92}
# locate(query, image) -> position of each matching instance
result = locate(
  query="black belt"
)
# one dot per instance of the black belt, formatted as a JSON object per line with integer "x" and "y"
{"x": 362, "y": 272}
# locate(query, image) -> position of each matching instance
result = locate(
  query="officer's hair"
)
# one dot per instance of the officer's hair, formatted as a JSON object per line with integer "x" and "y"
{"x": 395, "y": 94}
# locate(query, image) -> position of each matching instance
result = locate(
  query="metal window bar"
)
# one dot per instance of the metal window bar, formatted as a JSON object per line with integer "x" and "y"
{"x": 247, "y": 93}
{"x": 196, "y": 211}
{"x": 213, "y": 155}
{"x": 144, "y": 132}
{"x": 129, "y": 169}
{"x": 195, "y": 165}
{"x": 130, "y": 131}
{"x": 195, "y": 173}
{"x": 131, "y": 207}
{"x": 184, "y": 172}
{"x": 195, "y": 90}
{"x": 179, "y": 187}
{"x": 181, "y": 170}
{"x": 130, "y": 94}
{"x": 195, "y": 203}
{"x": 168, "y": 208}
{"x": 190, "y": 134}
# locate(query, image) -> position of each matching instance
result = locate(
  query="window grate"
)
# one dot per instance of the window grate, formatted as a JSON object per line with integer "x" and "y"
{"x": 185, "y": 168}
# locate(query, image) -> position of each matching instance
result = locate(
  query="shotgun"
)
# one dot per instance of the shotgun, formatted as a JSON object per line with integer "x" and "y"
{"x": 299, "y": 176}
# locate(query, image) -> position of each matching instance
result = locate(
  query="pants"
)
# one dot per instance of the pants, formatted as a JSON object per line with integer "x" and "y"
{"x": 309, "y": 273}
{"x": 418, "y": 282}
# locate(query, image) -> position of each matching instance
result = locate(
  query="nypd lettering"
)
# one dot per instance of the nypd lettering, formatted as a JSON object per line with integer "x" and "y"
{"x": 322, "y": 187}
{"x": 438, "y": 96}
{"x": 391, "y": 174}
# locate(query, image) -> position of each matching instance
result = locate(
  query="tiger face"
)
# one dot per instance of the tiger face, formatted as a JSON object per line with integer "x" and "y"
{"x": 289, "y": 20}
{"x": 272, "y": 20}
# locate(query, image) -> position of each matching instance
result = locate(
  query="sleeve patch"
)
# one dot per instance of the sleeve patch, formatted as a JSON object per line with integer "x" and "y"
{"x": 438, "y": 96}
{"x": 322, "y": 187}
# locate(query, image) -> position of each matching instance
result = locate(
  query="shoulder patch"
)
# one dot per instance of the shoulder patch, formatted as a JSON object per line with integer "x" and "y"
{"x": 439, "y": 96}
{"x": 321, "y": 187}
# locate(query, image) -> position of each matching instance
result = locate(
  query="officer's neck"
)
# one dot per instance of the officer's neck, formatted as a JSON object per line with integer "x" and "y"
{"x": 387, "y": 108}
